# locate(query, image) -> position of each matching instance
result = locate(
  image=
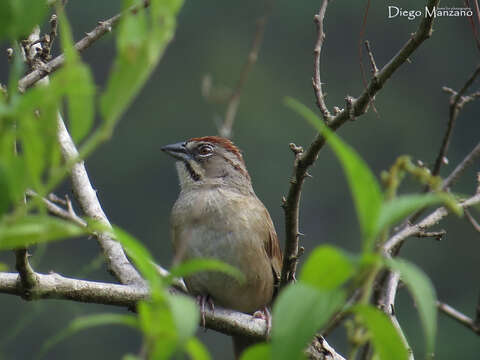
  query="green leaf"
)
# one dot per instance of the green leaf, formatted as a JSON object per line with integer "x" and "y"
{"x": 87, "y": 322}
{"x": 36, "y": 115}
{"x": 141, "y": 257}
{"x": 257, "y": 352}
{"x": 386, "y": 341}
{"x": 18, "y": 17}
{"x": 141, "y": 42}
{"x": 295, "y": 322}
{"x": 400, "y": 207}
{"x": 326, "y": 268}
{"x": 363, "y": 185}
{"x": 6, "y": 197}
{"x": 196, "y": 350}
{"x": 34, "y": 229}
{"x": 185, "y": 315}
{"x": 66, "y": 38}
{"x": 77, "y": 83}
{"x": 131, "y": 357}
{"x": 196, "y": 265}
{"x": 159, "y": 327}
{"x": 424, "y": 295}
{"x": 3, "y": 267}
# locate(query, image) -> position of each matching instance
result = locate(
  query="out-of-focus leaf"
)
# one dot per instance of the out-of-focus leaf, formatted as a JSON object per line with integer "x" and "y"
{"x": 77, "y": 81}
{"x": 196, "y": 350}
{"x": 18, "y": 17}
{"x": 86, "y": 322}
{"x": 36, "y": 115}
{"x": 185, "y": 315}
{"x": 400, "y": 207}
{"x": 386, "y": 341}
{"x": 141, "y": 257}
{"x": 299, "y": 311}
{"x": 140, "y": 44}
{"x": 257, "y": 352}
{"x": 159, "y": 328}
{"x": 423, "y": 293}
{"x": 3, "y": 267}
{"x": 131, "y": 357}
{"x": 363, "y": 185}
{"x": 34, "y": 229}
{"x": 326, "y": 268}
{"x": 196, "y": 265}
{"x": 5, "y": 197}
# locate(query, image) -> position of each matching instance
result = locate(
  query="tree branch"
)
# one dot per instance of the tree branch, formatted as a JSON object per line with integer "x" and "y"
{"x": 430, "y": 220}
{"x": 306, "y": 159}
{"x": 456, "y": 104}
{"x": 55, "y": 286}
{"x": 458, "y": 316}
{"x": 116, "y": 259}
{"x": 101, "y": 29}
{"x": 28, "y": 278}
{"x": 466, "y": 162}
{"x": 316, "y": 81}
{"x": 226, "y": 128}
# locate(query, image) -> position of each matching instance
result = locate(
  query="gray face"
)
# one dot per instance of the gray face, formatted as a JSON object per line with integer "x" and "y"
{"x": 202, "y": 160}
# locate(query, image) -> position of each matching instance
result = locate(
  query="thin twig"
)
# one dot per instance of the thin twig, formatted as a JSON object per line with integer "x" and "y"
{"x": 456, "y": 104}
{"x": 317, "y": 83}
{"x": 466, "y": 162}
{"x": 58, "y": 211}
{"x": 472, "y": 220}
{"x": 372, "y": 59}
{"x": 429, "y": 221}
{"x": 92, "y": 36}
{"x": 438, "y": 235}
{"x": 477, "y": 313}
{"x": 232, "y": 106}
{"x": 303, "y": 162}
{"x": 458, "y": 316}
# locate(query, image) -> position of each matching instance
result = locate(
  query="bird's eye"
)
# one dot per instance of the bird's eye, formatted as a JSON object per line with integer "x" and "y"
{"x": 205, "y": 149}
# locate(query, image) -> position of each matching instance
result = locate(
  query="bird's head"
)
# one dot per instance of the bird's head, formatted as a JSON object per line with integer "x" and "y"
{"x": 210, "y": 160}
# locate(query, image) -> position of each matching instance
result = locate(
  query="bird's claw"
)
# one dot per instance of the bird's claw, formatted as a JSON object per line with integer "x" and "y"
{"x": 264, "y": 314}
{"x": 201, "y": 301}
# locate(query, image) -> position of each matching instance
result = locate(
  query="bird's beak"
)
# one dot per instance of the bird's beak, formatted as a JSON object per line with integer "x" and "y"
{"x": 178, "y": 151}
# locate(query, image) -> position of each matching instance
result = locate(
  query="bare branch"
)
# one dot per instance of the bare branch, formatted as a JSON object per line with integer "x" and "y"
{"x": 360, "y": 106}
{"x": 429, "y": 221}
{"x": 472, "y": 220}
{"x": 92, "y": 36}
{"x": 372, "y": 59}
{"x": 317, "y": 83}
{"x": 456, "y": 104}
{"x": 116, "y": 259}
{"x": 232, "y": 106}
{"x": 466, "y": 162}
{"x": 55, "y": 286}
{"x": 458, "y": 316}
{"x": 28, "y": 278}
{"x": 58, "y": 211}
{"x": 438, "y": 235}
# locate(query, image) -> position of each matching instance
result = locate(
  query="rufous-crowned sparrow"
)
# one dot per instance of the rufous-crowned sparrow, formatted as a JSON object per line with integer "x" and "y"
{"x": 217, "y": 215}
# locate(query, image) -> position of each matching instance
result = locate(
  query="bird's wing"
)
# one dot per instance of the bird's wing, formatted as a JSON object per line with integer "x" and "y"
{"x": 272, "y": 249}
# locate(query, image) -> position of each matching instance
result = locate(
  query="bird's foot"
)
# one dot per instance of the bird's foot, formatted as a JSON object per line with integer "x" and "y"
{"x": 264, "y": 313}
{"x": 202, "y": 300}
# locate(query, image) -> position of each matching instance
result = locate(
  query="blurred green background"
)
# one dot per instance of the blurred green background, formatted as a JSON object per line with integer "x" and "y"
{"x": 137, "y": 184}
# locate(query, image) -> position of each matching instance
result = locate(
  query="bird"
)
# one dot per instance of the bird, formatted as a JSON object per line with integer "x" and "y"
{"x": 218, "y": 215}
